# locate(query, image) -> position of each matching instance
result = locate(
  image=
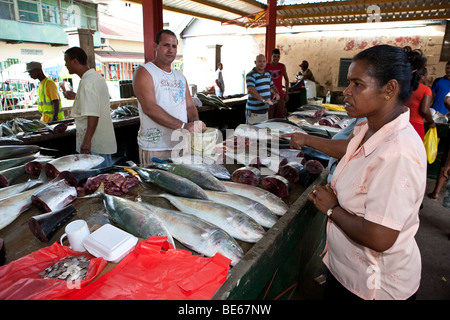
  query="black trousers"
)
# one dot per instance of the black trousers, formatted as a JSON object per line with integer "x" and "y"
{"x": 334, "y": 290}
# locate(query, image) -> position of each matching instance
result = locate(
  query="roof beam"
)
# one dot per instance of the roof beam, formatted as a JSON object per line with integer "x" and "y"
{"x": 221, "y": 7}
{"x": 194, "y": 14}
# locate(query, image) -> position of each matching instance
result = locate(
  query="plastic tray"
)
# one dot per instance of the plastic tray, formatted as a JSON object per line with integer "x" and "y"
{"x": 110, "y": 243}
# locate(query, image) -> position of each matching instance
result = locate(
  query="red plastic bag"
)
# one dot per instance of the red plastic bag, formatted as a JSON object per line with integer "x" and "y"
{"x": 151, "y": 273}
{"x": 20, "y": 279}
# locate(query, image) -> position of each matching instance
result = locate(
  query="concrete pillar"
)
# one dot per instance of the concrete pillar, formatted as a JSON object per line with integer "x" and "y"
{"x": 83, "y": 38}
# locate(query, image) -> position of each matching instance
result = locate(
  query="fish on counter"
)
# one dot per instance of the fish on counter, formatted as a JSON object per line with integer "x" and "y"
{"x": 170, "y": 182}
{"x": 260, "y": 213}
{"x": 203, "y": 179}
{"x": 34, "y": 168}
{"x": 290, "y": 171}
{"x": 72, "y": 162}
{"x": 11, "y": 207}
{"x": 205, "y": 163}
{"x": 45, "y": 226}
{"x": 77, "y": 177}
{"x": 54, "y": 195}
{"x": 19, "y": 187}
{"x": 235, "y": 222}
{"x": 14, "y": 162}
{"x": 199, "y": 235}
{"x": 248, "y": 175}
{"x": 12, "y": 151}
{"x": 277, "y": 184}
{"x": 311, "y": 170}
{"x": 280, "y": 126}
{"x": 268, "y": 199}
{"x": 134, "y": 217}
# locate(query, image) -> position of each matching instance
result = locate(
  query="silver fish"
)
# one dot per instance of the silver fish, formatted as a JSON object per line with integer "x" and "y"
{"x": 202, "y": 178}
{"x": 204, "y": 163}
{"x": 55, "y": 195}
{"x": 17, "y": 188}
{"x": 198, "y": 234}
{"x": 72, "y": 162}
{"x": 268, "y": 199}
{"x": 236, "y": 223}
{"x": 12, "y": 151}
{"x": 171, "y": 182}
{"x": 11, "y": 207}
{"x": 135, "y": 218}
{"x": 260, "y": 213}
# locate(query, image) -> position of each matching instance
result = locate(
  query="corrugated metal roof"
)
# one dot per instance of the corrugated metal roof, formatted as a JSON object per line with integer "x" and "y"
{"x": 250, "y": 13}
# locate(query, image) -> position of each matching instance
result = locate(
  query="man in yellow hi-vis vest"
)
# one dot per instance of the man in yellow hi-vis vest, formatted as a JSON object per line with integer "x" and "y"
{"x": 49, "y": 102}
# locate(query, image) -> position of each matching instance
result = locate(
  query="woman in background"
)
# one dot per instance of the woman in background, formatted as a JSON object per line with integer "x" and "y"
{"x": 420, "y": 101}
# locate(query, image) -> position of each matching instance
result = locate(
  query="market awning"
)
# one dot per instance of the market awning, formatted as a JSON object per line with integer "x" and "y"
{"x": 250, "y": 13}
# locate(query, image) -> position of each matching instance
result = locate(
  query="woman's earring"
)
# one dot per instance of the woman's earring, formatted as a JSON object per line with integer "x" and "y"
{"x": 387, "y": 98}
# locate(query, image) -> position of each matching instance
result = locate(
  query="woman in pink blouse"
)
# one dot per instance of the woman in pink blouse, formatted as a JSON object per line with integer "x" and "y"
{"x": 373, "y": 200}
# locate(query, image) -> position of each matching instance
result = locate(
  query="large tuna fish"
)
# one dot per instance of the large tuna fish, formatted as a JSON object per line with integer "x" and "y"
{"x": 236, "y": 223}
{"x": 34, "y": 168}
{"x": 202, "y": 178}
{"x": 135, "y": 218}
{"x": 260, "y": 213}
{"x": 271, "y": 201}
{"x": 12, "y": 151}
{"x": 9, "y": 163}
{"x": 72, "y": 162}
{"x": 198, "y": 234}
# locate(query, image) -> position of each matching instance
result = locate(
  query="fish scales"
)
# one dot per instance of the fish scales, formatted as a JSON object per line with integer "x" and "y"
{"x": 202, "y": 178}
{"x": 11, "y": 207}
{"x": 135, "y": 218}
{"x": 72, "y": 162}
{"x": 271, "y": 201}
{"x": 199, "y": 235}
{"x": 172, "y": 183}
{"x": 260, "y": 213}
{"x": 236, "y": 223}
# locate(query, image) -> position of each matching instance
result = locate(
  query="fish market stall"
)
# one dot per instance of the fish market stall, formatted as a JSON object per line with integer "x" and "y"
{"x": 264, "y": 253}
{"x": 270, "y": 253}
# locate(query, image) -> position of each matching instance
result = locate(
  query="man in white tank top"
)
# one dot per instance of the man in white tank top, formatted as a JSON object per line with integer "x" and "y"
{"x": 164, "y": 101}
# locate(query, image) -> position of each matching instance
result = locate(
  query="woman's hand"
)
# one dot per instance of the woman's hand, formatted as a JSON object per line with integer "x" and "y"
{"x": 323, "y": 198}
{"x": 297, "y": 139}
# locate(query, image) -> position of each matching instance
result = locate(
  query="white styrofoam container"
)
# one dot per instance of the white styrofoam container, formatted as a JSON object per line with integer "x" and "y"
{"x": 110, "y": 243}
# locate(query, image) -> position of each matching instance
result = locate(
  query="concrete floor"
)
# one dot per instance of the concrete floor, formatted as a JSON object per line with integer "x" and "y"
{"x": 433, "y": 239}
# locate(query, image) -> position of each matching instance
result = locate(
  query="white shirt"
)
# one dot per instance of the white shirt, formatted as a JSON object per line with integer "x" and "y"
{"x": 92, "y": 99}
{"x": 170, "y": 91}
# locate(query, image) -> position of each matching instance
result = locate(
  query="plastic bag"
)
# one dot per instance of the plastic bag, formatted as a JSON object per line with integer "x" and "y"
{"x": 20, "y": 279}
{"x": 151, "y": 273}
{"x": 431, "y": 142}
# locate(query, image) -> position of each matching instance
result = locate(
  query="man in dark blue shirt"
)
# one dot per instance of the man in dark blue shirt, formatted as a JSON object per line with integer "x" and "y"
{"x": 259, "y": 87}
{"x": 440, "y": 88}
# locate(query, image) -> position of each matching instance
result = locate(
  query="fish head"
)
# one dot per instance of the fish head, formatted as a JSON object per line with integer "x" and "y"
{"x": 248, "y": 226}
{"x": 226, "y": 246}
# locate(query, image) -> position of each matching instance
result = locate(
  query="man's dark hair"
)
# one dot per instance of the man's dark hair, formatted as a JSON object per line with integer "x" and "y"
{"x": 77, "y": 53}
{"x": 160, "y": 32}
{"x": 276, "y": 51}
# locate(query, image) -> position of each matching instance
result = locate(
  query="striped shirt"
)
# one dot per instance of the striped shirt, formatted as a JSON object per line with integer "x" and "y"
{"x": 262, "y": 84}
